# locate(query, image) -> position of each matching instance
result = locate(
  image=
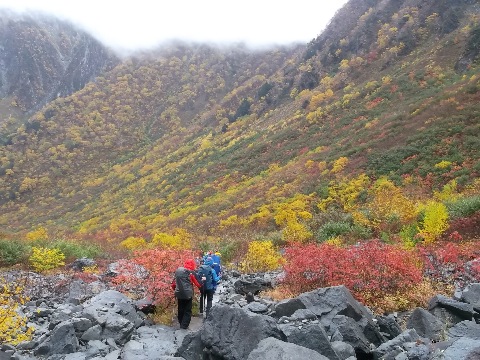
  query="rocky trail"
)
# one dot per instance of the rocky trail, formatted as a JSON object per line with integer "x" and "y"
{"x": 83, "y": 321}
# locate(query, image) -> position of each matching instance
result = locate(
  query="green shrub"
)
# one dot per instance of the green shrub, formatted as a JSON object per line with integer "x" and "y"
{"x": 12, "y": 252}
{"x": 229, "y": 251}
{"x": 361, "y": 232}
{"x": 408, "y": 235}
{"x": 464, "y": 207}
{"x": 332, "y": 229}
{"x": 71, "y": 249}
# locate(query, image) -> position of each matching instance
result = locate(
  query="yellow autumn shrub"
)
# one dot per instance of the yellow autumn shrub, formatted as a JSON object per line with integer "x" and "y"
{"x": 13, "y": 326}
{"x": 37, "y": 234}
{"x": 291, "y": 215}
{"x": 389, "y": 202}
{"x": 179, "y": 239}
{"x": 133, "y": 243}
{"x": 435, "y": 221}
{"x": 261, "y": 256}
{"x": 43, "y": 259}
{"x": 295, "y": 231}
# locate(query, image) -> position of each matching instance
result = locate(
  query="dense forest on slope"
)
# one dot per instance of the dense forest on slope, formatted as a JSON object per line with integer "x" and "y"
{"x": 348, "y": 137}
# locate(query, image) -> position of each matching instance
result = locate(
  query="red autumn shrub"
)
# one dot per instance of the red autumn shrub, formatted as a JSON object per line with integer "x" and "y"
{"x": 466, "y": 227}
{"x": 370, "y": 270}
{"x": 447, "y": 262}
{"x": 150, "y": 273}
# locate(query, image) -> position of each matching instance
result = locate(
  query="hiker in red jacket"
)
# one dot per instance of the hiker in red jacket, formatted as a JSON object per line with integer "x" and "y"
{"x": 183, "y": 285}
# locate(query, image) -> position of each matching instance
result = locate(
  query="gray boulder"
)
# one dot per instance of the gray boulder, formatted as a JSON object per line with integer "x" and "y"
{"x": 150, "y": 343}
{"x": 80, "y": 264}
{"x": 328, "y": 303}
{"x": 467, "y": 329}
{"x": 471, "y": 295}
{"x": 62, "y": 340}
{"x": 112, "y": 301}
{"x": 331, "y": 301}
{"x": 116, "y": 315}
{"x": 94, "y": 333}
{"x": 249, "y": 284}
{"x": 388, "y": 326}
{"x": 343, "y": 350}
{"x": 288, "y": 307}
{"x": 76, "y": 356}
{"x": 426, "y": 325}
{"x": 232, "y": 333}
{"x": 391, "y": 348}
{"x": 459, "y": 309}
{"x": 462, "y": 349}
{"x": 347, "y": 330}
{"x": 191, "y": 347}
{"x": 118, "y": 328}
{"x": 311, "y": 336}
{"x": 274, "y": 349}
{"x": 257, "y": 307}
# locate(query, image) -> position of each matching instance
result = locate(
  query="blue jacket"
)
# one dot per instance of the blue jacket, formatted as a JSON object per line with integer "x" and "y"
{"x": 211, "y": 277}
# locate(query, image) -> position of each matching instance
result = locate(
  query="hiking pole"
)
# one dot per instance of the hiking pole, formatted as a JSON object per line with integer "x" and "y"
{"x": 202, "y": 294}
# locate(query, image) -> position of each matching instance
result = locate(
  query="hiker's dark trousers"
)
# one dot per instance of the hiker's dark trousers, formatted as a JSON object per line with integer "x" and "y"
{"x": 184, "y": 312}
{"x": 206, "y": 295}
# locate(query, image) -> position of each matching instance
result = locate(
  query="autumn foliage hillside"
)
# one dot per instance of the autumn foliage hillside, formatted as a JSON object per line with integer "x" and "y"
{"x": 369, "y": 131}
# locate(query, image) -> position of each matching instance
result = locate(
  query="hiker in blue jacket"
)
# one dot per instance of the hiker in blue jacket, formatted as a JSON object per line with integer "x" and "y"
{"x": 217, "y": 266}
{"x": 209, "y": 280}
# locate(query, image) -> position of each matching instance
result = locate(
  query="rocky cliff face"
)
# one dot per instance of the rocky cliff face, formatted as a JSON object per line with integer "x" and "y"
{"x": 42, "y": 59}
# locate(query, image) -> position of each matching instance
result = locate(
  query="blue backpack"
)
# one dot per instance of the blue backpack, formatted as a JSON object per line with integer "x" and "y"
{"x": 206, "y": 271}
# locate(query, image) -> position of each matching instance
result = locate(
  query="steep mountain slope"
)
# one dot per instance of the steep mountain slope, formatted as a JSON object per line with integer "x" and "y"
{"x": 228, "y": 142}
{"x": 44, "y": 58}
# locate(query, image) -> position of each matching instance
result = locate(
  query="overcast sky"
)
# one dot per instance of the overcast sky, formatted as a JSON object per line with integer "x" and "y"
{"x": 131, "y": 25}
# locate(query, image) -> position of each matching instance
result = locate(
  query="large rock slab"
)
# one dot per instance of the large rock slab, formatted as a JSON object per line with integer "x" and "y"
{"x": 471, "y": 295}
{"x": 311, "y": 336}
{"x": 426, "y": 325}
{"x": 191, "y": 347}
{"x": 112, "y": 301}
{"x": 288, "y": 307}
{"x": 115, "y": 313}
{"x": 347, "y": 330}
{"x": 334, "y": 306}
{"x": 467, "y": 329}
{"x": 458, "y": 309}
{"x": 274, "y": 349}
{"x": 62, "y": 340}
{"x": 150, "y": 343}
{"x": 391, "y": 348}
{"x": 253, "y": 285}
{"x": 332, "y": 301}
{"x": 388, "y": 326}
{"x": 232, "y": 333}
{"x": 462, "y": 349}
